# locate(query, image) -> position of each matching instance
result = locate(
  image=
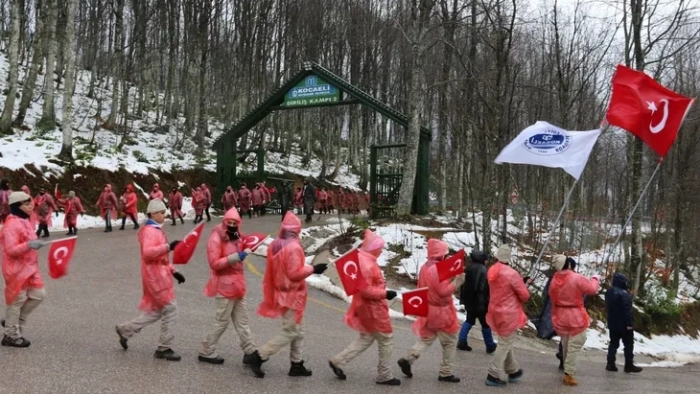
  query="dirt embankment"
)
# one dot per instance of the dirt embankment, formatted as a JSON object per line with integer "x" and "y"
{"x": 87, "y": 182}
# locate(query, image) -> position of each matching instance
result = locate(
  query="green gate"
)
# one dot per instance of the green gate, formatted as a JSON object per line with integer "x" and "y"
{"x": 386, "y": 171}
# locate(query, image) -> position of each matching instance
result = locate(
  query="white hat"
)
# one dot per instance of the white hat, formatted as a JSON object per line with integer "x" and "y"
{"x": 503, "y": 254}
{"x": 558, "y": 261}
{"x": 156, "y": 205}
{"x": 16, "y": 197}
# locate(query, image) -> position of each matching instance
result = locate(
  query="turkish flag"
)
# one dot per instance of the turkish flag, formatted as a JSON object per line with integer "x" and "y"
{"x": 646, "y": 109}
{"x": 348, "y": 267}
{"x": 415, "y": 302}
{"x": 185, "y": 249}
{"x": 60, "y": 254}
{"x": 252, "y": 241}
{"x": 451, "y": 267}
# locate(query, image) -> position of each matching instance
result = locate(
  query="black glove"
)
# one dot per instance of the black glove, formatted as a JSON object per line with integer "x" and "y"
{"x": 390, "y": 294}
{"x": 526, "y": 279}
{"x": 174, "y": 244}
{"x": 180, "y": 278}
{"x": 319, "y": 268}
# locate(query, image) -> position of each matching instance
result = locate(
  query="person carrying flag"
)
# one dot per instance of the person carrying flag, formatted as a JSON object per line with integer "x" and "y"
{"x": 227, "y": 285}
{"x": 284, "y": 295}
{"x": 369, "y": 314}
{"x": 158, "y": 301}
{"x": 441, "y": 322}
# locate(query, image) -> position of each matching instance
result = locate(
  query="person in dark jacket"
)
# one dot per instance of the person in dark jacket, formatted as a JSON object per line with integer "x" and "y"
{"x": 309, "y": 196}
{"x": 285, "y": 197}
{"x": 618, "y": 305}
{"x": 474, "y": 295}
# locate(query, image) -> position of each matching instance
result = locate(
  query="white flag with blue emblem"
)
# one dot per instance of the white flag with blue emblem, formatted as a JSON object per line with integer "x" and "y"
{"x": 543, "y": 144}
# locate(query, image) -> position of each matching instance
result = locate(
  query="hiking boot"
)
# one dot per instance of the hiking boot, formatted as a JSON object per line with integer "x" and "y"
{"x": 337, "y": 371}
{"x": 449, "y": 379}
{"x": 569, "y": 380}
{"x": 515, "y": 376}
{"x": 611, "y": 367}
{"x": 167, "y": 354}
{"x": 136, "y": 226}
{"x": 298, "y": 369}
{"x": 405, "y": 367}
{"x": 211, "y": 360}
{"x": 491, "y": 349}
{"x": 122, "y": 227}
{"x": 494, "y": 382}
{"x": 390, "y": 382}
{"x": 256, "y": 363}
{"x": 122, "y": 339}
{"x": 15, "y": 342}
{"x": 632, "y": 368}
{"x": 246, "y": 360}
{"x": 182, "y": 220}
{"x": 463, "y": 345}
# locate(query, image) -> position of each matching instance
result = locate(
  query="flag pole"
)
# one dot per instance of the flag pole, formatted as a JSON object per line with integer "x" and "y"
{"x": 554, "y": 226}
{"x": 60, "y": 239}
{"x": 629, "y": 218}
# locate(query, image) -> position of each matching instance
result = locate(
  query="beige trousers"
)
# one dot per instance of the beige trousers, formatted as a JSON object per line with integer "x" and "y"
{"x": 236, "y": 311}
{"x": 571, "y": 347}
{"x": 17, "y": 312}
{"x": 167, "y": 315}
{"x": 385, "y": 346}
{"x": 292, "y": 334}
{"x": 448, "y": 343}
{"x": 503, "y": 357}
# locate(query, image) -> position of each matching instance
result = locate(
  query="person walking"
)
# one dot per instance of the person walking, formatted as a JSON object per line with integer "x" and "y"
{"x": 505, "y": 316}
{"x": 569, "y": 316}
{"x": 474, "y": 295}
{"x": 158, "y": 301}
{"x": 618, "y": 306}
{"x": 441, "y": 322}
{"x": 107, "y": 203}
{"x": 226, "y": 255}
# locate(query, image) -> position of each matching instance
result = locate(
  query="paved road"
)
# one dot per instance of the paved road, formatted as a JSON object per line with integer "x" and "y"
{"x": 75, "y": 350}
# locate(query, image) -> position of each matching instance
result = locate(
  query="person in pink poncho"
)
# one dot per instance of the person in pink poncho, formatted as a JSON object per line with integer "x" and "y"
{"x": 108, "y": 206}
{"x": 441, "y": 322}
{"x": 129, "y": 207}
{"x": 24, "y": 288}
{"x": 44, "y": 206}
{"x": 229, "y": 199}
{"x": 5, "y": 192}
{"x": 569, "y": 316}
{"x": 176, "y": 206}
{"x": 226, "y": 255}
{"x": 369, "y": 314}
{"x": 156, "y": 193}
{"x": 505, "y": 316}
{"x": 158, "y": 301}
{"x": 284, "y": 296}
{"x": 72, "y": 208}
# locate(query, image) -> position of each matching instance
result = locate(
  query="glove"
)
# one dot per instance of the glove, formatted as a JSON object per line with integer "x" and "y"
{"x": 174, "y": 244}
{"x": 596, "y": 277}
{"x": 319, "y": 268}
{"x": 180, "y": 278}
{"x": 36, "y": 245}
{"x": 234, "y": 258}
{"x": 242, "y": 255}
{"x": 458, "y": 281}
{"x": 391, "y": 294}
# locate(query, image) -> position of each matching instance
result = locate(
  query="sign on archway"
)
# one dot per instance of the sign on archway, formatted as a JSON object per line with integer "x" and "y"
{"x": 310, "y": 92}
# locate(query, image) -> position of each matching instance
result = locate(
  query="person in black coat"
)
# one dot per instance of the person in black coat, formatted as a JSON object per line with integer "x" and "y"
{"x": 474, "y": 295}
{"x": 309, "y": 196}
{"x": 618, "y": 305}
{"x": 285, "y": 197}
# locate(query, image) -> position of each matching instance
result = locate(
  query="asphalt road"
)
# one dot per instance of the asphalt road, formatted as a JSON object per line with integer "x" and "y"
{"x": 75, "y": 349}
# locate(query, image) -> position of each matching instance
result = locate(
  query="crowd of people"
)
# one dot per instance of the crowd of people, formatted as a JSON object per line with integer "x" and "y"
{"x": 493, "y": 295}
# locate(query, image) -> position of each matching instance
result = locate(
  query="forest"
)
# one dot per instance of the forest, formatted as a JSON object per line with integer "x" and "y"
{"x": 475, "y": 72}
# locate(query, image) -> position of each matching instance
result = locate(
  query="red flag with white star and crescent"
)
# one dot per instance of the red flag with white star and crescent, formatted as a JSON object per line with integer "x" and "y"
{"x": 348, "y": 267}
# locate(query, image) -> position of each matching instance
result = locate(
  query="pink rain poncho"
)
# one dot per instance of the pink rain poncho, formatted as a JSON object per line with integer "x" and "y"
{"x": 284, "y": 284}
{"x": 156, "y": 270}
{"x": 156, "y": 193}
{"x": 569, "y": 316}
{"x": 175, "y": 204}
{"x": 228, "y": 199}
{"x": 129, "y": 200}
{"x": 369, "y": 310}
{"x": 508, "y": 292}
{"x": 20, "y": 264}
{"x": 72, "y": 208}
{"x": 108, "y": 202}
{"x": 225, "y": 279}
{"x": 44, "y": 206}
{"x": 442, "y": 314}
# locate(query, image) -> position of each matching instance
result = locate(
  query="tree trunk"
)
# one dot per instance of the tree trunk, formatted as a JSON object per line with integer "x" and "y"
{"x": 48, "y": 116}
{"x": 37, "y": 58}
{"x": 69, "y": 62}
{"x": 13, "y": 59}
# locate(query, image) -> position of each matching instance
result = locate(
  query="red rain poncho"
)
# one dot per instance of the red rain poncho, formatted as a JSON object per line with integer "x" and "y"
{"x": 508, "y": 292}
{"x": 175, "y": 204}
{"x": 156, "y": 270}
{"x": 108, "y": 202}
{"x": 369, "y": 310}
{"x": 129, "y": 201}
{"x": 569, "y": 316}
{"x": 225, "y": 279}
{"x": 284, "y": 284}
{"x": 20, "y": 264}
{"x": 156, "y": 193}
{"x": 442, "y": 314}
